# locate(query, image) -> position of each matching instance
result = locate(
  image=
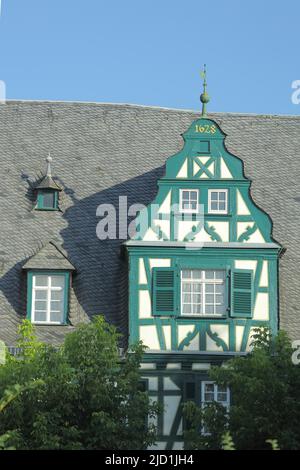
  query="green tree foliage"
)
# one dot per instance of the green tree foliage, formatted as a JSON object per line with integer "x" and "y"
{"x": 10, "y": 395}
{"x": 87, "y": 398}
{"x": 265, "y": 409}
{"x": 227, "y": 442}
{"x": 205, "y": 426}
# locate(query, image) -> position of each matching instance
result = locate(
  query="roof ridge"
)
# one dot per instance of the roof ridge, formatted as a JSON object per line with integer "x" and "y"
{"x": 158, "y": 108}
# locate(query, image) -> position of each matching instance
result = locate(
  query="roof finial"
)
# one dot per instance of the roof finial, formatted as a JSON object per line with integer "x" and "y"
{"x": 48, "y": 160}
{"x": 204, "y": 98}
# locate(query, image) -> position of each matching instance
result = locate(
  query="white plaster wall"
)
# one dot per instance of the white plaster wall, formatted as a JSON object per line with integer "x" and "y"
{"x": 261, "y": 308}
{"x": 142, "y": 272}
{"x": 239, "y": 331}
{"x": 144, "y": 304}
{"x": 159, "y": 263}
{"x": 148, "y": 335}
{"x": 225, "y": 172}
{"x": 242, "y": 208}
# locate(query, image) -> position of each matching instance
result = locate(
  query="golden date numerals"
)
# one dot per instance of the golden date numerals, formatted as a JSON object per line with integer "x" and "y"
{"x": 206, "y": 129}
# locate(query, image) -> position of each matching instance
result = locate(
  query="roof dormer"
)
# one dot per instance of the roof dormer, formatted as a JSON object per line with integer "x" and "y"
{"x": 47, "y": 191}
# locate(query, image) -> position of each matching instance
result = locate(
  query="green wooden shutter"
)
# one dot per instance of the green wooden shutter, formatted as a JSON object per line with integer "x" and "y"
{"x": 241, "y": 293}
{"x": 164, "y": 291}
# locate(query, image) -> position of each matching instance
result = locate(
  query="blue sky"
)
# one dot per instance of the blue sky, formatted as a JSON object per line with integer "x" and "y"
{"x": 151, "y": 52}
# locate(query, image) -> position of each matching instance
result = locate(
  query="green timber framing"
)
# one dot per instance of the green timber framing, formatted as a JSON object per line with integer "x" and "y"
{"x": 206, "y": 258}
{"x": 239, "y": 242}
{"x": 187, "y": 372}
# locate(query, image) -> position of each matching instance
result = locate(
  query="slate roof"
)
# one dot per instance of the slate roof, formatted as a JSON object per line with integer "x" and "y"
{"x": 50, "y": 257}
{"x": 47, "y": 183}
{"x": 101, "y": 152}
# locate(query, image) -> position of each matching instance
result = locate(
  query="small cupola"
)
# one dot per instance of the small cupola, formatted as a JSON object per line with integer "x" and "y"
{"x": 47, "y": 191}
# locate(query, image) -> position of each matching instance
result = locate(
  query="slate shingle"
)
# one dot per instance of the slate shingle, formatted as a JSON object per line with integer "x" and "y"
{"x": 101, "y": 152}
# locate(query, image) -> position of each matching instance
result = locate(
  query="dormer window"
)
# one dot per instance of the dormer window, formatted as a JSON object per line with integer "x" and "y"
{"x": 218, "y": 201}
{"x": 49, "y": 276}
{"x": 49, "y": 299}
{"x": 47, "y": 191}
{"x": 47, "y": 200}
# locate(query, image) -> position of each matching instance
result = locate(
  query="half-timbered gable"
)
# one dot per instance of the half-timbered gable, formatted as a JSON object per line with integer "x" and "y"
{"x": 203, "y": 269}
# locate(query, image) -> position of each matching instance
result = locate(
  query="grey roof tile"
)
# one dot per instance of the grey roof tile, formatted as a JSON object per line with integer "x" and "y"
{"x": 103, "y": 151}
{"x": 49, "y": 257}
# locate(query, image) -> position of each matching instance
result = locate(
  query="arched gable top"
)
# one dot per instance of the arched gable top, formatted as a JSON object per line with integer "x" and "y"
{"x": 204, "y": 155}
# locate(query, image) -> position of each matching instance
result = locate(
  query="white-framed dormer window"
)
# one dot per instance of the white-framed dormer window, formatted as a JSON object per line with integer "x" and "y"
{"x": 218, "y": 201}
{"x": 189, "y": 201}
{"x": 203, "y": 292}
{"x": 48, "y": 297}
{"x": 211, "y": 392}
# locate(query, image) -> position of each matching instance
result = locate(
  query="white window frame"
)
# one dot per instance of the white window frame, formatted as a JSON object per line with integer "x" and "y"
{"x": 203, "y": 281}
{"x": 49, "y": 288}
{"x": 205, "y": 403}
{"x": 226, "y": 404}
{"x": 217, "y": 211}
{"x": 188, "y": 211}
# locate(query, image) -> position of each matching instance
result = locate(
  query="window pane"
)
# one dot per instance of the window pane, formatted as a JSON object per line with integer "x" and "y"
{"x": 40, "y": 294}
{"x": 189, "y": 200}
{"x": 56, "y": 294}
{"x": 186, "y": 274}
{"x": 56, "y": 305}
{"x": 41, "y": 281}
{"x": 209, "y": 387}
{"x": 40, "y": 316}
{"x": 56, "y": 317}
{"x": 187, "y": 298}
{"x": 222, "y": 196}
{"x": 196, "y": 297}
{"x": 57, "y": 281}
{"x": 222, "y": 206}
{"x": 214, "y": 196}
{"x": 197, "y": 309}
{"x": 209, "y": 397}
{"x": 220, "y": 309}
{"x": 187, "y": 308}
{"x": 219, "y": 288}
{"x": 209, "y": 274}
{"x": 48, "y": 200}
{"x": 209, "y": 288}
{"x": 209, "y": 392}
{"x": 196, "y": 274}
{"x": 209, "y": 298}
{"x": 187, "y": 288}
{"x": 209, "y": 309}
{"x": 220, "y": 274}
{"x": 40, "y": 305}
{"x": 222, "y": 394}
{"x": 214, "y": 206}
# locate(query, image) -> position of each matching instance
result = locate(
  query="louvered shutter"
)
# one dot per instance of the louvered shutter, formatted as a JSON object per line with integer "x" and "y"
{"x": 241, "y": 293}
{"x": 164, "y": 292}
